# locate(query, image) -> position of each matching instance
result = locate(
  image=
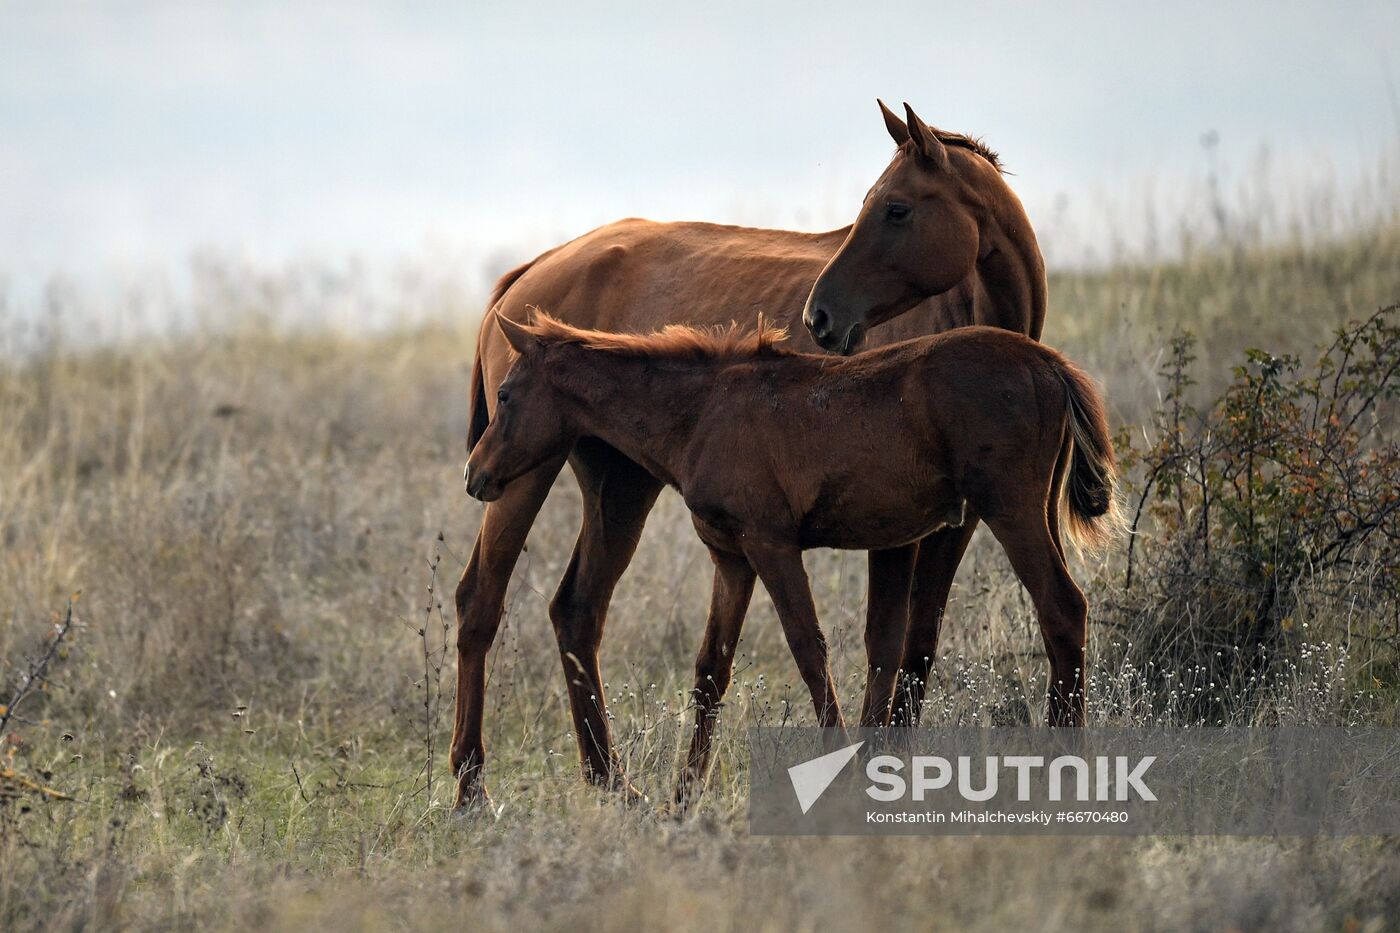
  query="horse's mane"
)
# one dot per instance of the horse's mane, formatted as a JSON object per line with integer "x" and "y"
{"x": 674, "y": 341}
{"x": 970, "y": 143}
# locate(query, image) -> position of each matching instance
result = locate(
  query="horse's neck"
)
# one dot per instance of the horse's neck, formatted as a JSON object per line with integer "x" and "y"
{"x": 1013, "y": 291}
{"x": 1011, "y": 270}
{"x": 651, "y": 428}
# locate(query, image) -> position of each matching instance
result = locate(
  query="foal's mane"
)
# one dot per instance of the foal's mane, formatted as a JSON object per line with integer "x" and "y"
{"x": 972, "y": 144}
{"x": 672, "y": 342}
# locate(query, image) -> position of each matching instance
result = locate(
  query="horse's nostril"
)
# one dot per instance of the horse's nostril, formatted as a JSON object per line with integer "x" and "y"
{"x": 818, "y": 322}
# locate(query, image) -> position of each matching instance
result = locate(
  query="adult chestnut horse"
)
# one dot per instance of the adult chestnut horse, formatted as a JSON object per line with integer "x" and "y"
{"x": 986, "y": 418}
{"x": 941, "y": 221}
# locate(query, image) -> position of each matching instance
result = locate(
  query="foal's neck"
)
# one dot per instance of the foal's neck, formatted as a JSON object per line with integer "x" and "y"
{"x": 651, "y": 420}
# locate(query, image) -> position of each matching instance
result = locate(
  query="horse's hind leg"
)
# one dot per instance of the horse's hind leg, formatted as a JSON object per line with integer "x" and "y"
{"x": 1059, "y": 605}
{"x": 785, "y": 579}
{"x": 937, "y": 565}
{"x": 480, "y": 598}
{"x": 886, "y": 628}
{"x": 617, "y": 496}
{"x": 729, "y": 601}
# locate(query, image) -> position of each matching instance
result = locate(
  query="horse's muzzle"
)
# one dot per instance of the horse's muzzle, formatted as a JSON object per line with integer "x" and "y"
{"x": 818, "y": 323}
{"x": 479, "y": 485}
{"x": 853, "y": 339}
{"x": 822, "y": 327}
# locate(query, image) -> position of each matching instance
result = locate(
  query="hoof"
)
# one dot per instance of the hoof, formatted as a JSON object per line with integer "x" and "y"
{"x": 617, "y": 782}
{"x": 472, "y": 800}
{"x": 690, "y": 786}
{"x": 630, "y": 794}
{"x": 683, "y": 804}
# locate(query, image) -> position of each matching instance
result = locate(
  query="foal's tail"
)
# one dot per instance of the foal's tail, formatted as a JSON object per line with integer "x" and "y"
{"x": 1091, "y": 489}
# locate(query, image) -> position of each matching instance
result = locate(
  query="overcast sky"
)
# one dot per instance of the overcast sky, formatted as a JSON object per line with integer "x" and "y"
{"x": 131, "y": 134}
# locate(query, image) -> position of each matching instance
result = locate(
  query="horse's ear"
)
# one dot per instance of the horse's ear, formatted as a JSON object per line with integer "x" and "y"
{"x": 520, "y": 337}
{"x": 898, "y": 131}
{"x": 927, "y": 141}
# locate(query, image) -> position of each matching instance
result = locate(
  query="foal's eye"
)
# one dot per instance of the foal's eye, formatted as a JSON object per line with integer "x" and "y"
{"x": 502, "y": 397}
{"x": 895, "y": 213}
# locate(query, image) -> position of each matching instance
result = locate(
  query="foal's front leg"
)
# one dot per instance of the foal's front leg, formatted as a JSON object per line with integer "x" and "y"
{"x": 936, "y": 566}
{"x": 780, "y": 568}
{"x": 617, "y": 495}
{"x": 729, "y": 601}
{"x": 886, "y": 623}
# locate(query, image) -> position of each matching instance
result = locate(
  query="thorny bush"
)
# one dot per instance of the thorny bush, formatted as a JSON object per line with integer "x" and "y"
{"x": 1276, "y": 504}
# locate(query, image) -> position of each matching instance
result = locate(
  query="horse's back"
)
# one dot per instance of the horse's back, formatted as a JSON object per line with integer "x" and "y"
{"x": 637, "y": 275}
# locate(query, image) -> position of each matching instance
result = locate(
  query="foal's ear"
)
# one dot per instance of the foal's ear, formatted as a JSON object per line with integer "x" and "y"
{"x": 898, "y": 131}
{"x": 927, "y": 141}
{"x": 520, "y": 337}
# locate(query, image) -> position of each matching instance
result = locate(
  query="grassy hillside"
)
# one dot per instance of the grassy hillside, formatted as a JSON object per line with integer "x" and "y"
{"x": 263, "y": 529}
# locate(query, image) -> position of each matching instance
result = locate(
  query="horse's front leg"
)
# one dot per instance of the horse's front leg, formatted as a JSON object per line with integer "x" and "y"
{"x": 780, "y": 568}
{"x": 886, "y": 624}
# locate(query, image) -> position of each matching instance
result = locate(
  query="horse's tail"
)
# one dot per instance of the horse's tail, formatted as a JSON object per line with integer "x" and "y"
{"x": 477, "y": 419}
{"x": 477, "y": 416}
{"x": 1091, "y": 488}
{"x": 510, "y": 278}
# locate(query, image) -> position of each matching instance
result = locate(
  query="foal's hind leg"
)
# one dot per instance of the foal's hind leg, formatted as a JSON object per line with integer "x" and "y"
{"x": 617, "y": 495}
{"x": 937, "y": 565}
{"x": 480, "y": 598}
{"x": 782, "y": 573}
{"x": 729, "y": 601}
{"x": 1059, "y": 605}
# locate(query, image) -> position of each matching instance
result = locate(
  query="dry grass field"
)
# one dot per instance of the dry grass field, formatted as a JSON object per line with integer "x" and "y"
{"x": 261, "y": 527}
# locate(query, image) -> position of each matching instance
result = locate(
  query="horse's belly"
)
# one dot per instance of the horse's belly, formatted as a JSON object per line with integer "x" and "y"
{"x": 870, "y": 525}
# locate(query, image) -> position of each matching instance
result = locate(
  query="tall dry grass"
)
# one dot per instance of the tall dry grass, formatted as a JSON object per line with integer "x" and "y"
{"x": 252, "y": 513}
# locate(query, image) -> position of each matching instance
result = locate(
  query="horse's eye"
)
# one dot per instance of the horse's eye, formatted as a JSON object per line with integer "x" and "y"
{"x": 897, "y": 212}
{"x": 502, "y": 397}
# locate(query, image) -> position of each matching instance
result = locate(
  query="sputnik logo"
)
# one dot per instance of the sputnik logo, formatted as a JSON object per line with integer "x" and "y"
{"x": 811, "y": 778}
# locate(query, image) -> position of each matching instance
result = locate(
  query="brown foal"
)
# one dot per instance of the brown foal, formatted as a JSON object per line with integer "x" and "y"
{"x": 775, "y": 452}
{"x": 941, "y": 241}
